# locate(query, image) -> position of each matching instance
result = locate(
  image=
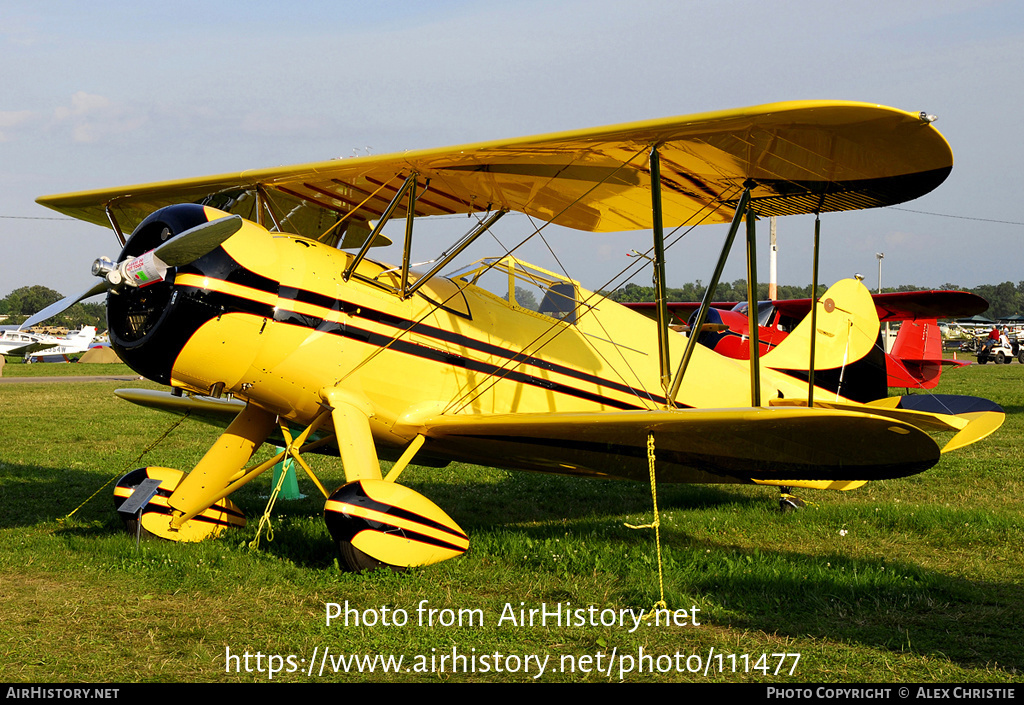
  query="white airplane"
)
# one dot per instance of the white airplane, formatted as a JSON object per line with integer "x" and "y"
{"x": 19, "y": 343}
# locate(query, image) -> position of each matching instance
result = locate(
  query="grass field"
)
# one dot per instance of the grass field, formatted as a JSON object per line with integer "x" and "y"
{"x": 912, "y": 580}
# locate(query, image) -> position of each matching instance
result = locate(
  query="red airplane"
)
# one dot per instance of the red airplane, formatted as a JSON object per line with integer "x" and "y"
{"x": 915, "y": 360}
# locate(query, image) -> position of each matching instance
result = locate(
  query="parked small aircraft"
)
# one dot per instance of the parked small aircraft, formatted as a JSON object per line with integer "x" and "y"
{"x": 19, "y": 343}
{"x": 914, "y": 362}
{"x": 326, "y": 348}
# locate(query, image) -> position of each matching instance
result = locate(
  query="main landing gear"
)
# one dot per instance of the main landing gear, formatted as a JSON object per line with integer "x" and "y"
{"x": 154, "y": 516}
{"x": 374, "y": 522}
{"x": 378, "y": 523}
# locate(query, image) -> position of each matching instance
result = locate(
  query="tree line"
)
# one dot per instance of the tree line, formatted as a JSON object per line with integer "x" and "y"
{"x": 22, "y": 303}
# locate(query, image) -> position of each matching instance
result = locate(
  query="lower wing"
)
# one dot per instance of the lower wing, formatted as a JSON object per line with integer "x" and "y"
{"x": 835, "y": 446}
{"x": 791, "y": 446}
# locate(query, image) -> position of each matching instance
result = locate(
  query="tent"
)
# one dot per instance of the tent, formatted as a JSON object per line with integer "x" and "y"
{"x": 975, "y": 319}
{"x": 100, "y": 353}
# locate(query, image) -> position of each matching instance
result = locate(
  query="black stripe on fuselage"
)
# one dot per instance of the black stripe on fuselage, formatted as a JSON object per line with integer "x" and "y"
{"x": 230, "y": 302}
{"x": 369, "y": 314}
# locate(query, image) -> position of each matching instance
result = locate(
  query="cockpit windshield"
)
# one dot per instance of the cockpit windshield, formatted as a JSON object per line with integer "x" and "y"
{"x": 523, "y": 286}
{"x": 765, "y": 310}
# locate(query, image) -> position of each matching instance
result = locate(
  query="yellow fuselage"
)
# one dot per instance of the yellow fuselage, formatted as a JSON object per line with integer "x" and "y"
{"x": 293, "y": 327}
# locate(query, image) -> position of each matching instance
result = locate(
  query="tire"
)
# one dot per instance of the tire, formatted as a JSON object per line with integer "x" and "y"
{"x": 790, "y": 504}
{"x": 134, "y": 529}
{"x": 353, "y": 560}
{"x": 1001, "y": 358}
{"x": 132, "y": 525}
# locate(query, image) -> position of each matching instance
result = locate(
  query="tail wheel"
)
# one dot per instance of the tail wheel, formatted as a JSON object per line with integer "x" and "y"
{"x": 124, "y": 489}
{"x": 789, "y": 502}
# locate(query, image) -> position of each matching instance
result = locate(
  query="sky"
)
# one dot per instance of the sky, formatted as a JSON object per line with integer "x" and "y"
{"x": 106, "y": 93}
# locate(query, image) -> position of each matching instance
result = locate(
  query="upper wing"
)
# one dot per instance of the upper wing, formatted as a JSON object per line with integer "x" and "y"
{"x": 914, "y": 305}
{"x": 806, "y": 156}
{"x": 906, "y": 305}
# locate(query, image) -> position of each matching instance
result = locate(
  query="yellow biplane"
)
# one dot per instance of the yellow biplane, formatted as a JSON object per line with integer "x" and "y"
{"x": 253, "y": 297}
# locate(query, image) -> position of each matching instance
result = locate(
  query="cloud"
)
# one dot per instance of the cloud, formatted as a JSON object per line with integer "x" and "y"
{"x": 92, "y": 117}
{"x": 18, "y": 27}
{"x": 11, "y": 119}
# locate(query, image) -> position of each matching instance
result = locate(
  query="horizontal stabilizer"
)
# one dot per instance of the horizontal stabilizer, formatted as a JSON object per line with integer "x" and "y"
{"x": 954, "y": 404}
{"x": 971, "y": 418}
{"x": 917, "y": 374}
{"x": 915, "y": 360}
{"x": 982, "y": 416}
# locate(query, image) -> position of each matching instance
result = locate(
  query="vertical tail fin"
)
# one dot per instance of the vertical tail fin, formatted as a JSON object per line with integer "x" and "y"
{"x": 915, "y": 360}
{"x": 847, "y": 358}
{"x": 87, "y": 334}
{"x": 847, "y": 330}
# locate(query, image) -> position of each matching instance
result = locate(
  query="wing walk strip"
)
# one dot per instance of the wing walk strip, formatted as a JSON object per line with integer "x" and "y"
{"x": 312, "y": 310}
{"x": 411, "y": 526}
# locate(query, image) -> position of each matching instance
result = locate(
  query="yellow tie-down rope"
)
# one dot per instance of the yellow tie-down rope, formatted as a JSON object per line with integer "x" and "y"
{"x": 292, "y": 450}
{"x": 265, "y": 519}
{"x": 656, "y": 525}
{"x": 135, "y": 462}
